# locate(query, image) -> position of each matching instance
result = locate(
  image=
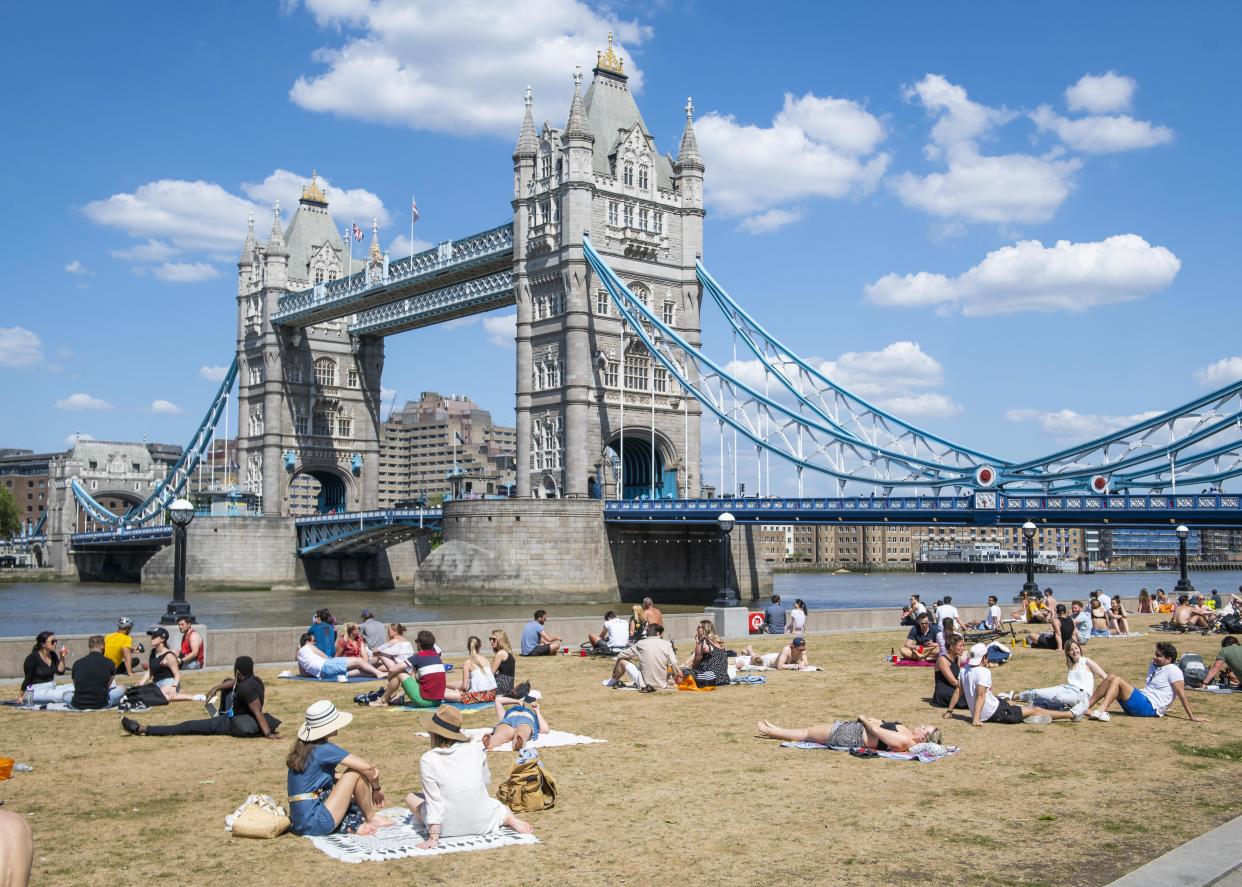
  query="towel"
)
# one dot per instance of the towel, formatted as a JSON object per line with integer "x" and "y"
{"x": 359, "y": 679}
{"x": 925, "y": 752}
{"x": 914, "y": 663}
{"x": 545, "y": 740}
{"x": 53, "y": 706}
{"x": 750, "y": 679}
{"x": 460, "y": 706}
{"x": 401, "y": 840}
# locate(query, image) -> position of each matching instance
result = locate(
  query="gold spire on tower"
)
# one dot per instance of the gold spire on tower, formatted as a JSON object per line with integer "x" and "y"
{"x": 609, "y": 60}
{"x": 312, "y": 193}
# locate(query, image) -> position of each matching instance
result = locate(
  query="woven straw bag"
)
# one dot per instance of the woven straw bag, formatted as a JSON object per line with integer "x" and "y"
{"x": 259, "y": 817}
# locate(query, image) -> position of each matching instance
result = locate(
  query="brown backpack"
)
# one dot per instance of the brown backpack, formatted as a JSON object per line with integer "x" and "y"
{"x": 528, "y": 789}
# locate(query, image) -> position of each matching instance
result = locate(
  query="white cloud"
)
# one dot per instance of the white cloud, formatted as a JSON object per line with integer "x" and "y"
{"x": 71, "y": 439}
{"x": 19, "y": 347}
{"x": 165, "y": 406}
{"x": 1000, "y": 189}
{"x": 1223, "y": 372}
{"x": 76, "y": 267}
{"x": 1102, "y": 134}
{"x": 816, "y": 147}
{"x": 213, "y": 373}
{"x": 1028, "y": 276}
{"x": 1101, "y": 93}
{"x": 151, "y": 251}
{"x": 921, "y": 406}
{"x": 1067, "y": 425}
{"x": 452, "y": 67}
{"x": 183, "y": 272}
{"x": 772, "y": 220}
{"x": 82, "y": 402}
{"x": 501, "y": 329}
{"x": 346, "y": 204}
{"x": 400, "y": 246}
{"x": 387, "y": 394}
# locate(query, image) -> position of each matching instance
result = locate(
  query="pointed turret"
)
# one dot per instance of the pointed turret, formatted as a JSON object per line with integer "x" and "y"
{"x": 688, "y": 155}
{"x": 276, "y": 242}
{"x": 576, "y": 127}
{"x": 247, "y": 253}
{"x": 374, "y": 253}
{"x": 528, "y": 142}
{"x": 276, "y": 256}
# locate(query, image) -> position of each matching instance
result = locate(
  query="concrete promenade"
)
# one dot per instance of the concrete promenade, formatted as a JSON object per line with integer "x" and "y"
{"x": 1213, "y": 859}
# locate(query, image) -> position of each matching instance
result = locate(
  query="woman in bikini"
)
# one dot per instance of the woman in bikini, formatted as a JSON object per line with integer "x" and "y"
{"x": 1121, "y": 618}
{"x": 863, "y": 732}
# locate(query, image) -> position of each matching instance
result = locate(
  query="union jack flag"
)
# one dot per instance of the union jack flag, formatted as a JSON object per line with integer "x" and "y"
{"x": 413, "y": 209}
{"x": 357, "y": 232}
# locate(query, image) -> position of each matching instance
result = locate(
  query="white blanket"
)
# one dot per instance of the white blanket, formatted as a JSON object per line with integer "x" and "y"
{"x": 545, "y": 740}
{"x": 401, "y": 839}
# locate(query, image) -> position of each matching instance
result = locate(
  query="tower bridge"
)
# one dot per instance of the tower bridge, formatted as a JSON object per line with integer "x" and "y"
{"x": 603, "y": 260}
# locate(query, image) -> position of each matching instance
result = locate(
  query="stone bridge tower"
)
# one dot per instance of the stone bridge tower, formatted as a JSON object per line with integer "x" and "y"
{"x": 585, "y": 392}
{"x": 308, "y": 400}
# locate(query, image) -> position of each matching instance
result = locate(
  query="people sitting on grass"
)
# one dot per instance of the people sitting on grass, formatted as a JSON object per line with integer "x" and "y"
{"x": 315, "y": 663}
{"x": 797, "y": 618}
{"x": 1164, "y": 682}
{"x": 774, "y": 616}
{"x": 1061, "y": 633}
{"x": 946, "y": 627}
{"x": 1120, "y": 618}
{"x": 1228, "y": 664}
{"x": 647, "y": 662}
{"x": 323, "y": 629}
{"x": 455, "y": 800}
{"x": 613, "y": 636}
{"x": 519, "y": 722}
{"x": 910, "y": 612}
{"x": 476, "y": 672}
{"x": 1082, "y": 621}
{"x": 992, "y": 621}
{"x": 350, "y": 642}
{"x": 504, "y": 665}
{"x": 1075, "y": 693}
{"x": 193, "y": 654}
{"x": 1162, "y": 602}
{"x": 1022, "y": 614}
{"x": 863, "y": 732}
{"x": 240, "y": 713}
{"x": 394, "y": 650}
{"x": 1187, "y": 615}
{"x": 94, "y": 678}
{"x": 975, "y": 684}
{"x": 39, "y": 671}
{"x": 536, "y": 640}
{"x": 1101, "y": 618}
{"x": 119, "y": 647}
{"x": 920, "y": 645}
{"x": 164, "y": 668}
{"x": 319, "y": 799}
{"x": 374, "y": 632}
{"x": 422, "y": 682}
{"x": 638, "y": 623}
{"x": 709, "y": 665}
{"x": 948, "y": 666}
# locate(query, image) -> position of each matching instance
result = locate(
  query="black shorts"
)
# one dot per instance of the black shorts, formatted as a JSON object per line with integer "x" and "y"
{"x": 1045, "y": 641}
{"x": 541, "y": 650}
{"x": 1006, "y": 713}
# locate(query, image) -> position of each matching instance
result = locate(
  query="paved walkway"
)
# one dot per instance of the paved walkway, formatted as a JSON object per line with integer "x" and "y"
{"x": 1210, "y": 860}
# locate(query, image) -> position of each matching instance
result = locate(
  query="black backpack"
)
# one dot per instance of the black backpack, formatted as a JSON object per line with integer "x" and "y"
{"x": 141, "y": 697}
{"x": 1231, "y": 624}
{"x": 1193, "y": 669}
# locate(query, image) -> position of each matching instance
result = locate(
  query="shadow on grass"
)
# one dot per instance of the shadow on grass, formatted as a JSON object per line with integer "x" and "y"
{"x": 1226, "y": 751}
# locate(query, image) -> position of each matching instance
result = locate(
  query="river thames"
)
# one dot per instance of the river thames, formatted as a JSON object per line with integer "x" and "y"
{"x": 80, "y": 608}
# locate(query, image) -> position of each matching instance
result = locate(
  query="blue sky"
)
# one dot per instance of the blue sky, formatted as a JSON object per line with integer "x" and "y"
{"x": 887, "y": 186}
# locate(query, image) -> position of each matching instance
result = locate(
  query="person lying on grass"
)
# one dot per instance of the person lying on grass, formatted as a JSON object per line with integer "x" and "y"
{"x": 1079, "y": 684}
{"x": 314, "y": 663}
{"x": 320, "y": 800}
{"x": 1164, "y": 681}
{"x": 520, "y": 722}
{"x": 863, "y": 732}
{"x": 240, "y": 714}
{"x": 975, "y": 683}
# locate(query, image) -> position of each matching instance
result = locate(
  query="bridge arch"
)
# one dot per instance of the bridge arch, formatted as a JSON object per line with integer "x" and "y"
{"x": 114, "y": 499}
{"x": 635, "y": 468}
{"x": 319, "y": 489}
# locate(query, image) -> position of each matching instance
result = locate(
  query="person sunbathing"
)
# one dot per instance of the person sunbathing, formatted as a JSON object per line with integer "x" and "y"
{"x": 1187, "y": 615}
{"x": 975, "y": 684}
{"x": 862, "y": 732}
{"x": 520, "y": 722}
{"x": 1121, "y": 619}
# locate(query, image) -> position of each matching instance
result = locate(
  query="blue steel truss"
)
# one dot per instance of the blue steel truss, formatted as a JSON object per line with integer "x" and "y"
{"x": 984, "y": 508}
{"x": 124, "y": 537}
{"x": 461, "y": 299}
{"x": 174, "y": 483}
{"x": 363, "y": 530}
{"x": 447, "y": 263}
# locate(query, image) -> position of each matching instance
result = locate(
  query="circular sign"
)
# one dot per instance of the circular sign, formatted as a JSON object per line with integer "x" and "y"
{"x": 756, "y": 623}
{"x": 985, "y": 476}
{"x": 1099, "y": 484}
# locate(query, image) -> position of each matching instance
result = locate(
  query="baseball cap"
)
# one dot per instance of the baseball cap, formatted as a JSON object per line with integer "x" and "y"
{"x": 367, "y": 614}
{"x": 977, "y": 653}
{"x": 799, "y": 642}
{"x": 157, "y": 631}
{"x": 124, "y": 622}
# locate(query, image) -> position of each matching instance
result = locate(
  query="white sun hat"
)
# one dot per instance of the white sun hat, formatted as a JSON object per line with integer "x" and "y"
{"x": 322, "y": 719}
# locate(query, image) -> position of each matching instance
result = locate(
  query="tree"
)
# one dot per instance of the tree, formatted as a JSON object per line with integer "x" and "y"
{"x": 10, "y": 523}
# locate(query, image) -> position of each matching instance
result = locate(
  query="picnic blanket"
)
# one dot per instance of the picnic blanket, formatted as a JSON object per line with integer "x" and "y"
{"x": 913, "y": 663}
{"x": 460, "y": 706}
{"x": 750, "y": 679}
{"x": 545, "y": 740}
{"x": 359, "y": 679}
{"x": 53, "y": 706}
{"x": 401, "y": 839}
{"x": 925, "y": 752}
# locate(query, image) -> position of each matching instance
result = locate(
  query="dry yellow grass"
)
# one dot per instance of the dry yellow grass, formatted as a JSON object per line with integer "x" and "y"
{"x": 681, "y": 792}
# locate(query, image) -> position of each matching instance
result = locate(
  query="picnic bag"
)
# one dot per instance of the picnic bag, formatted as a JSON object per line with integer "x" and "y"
{"x": 258, "y": 817}
{"x": 528, "y": 789}
{"x": 1193, "y": 669}
{"x": 144, "y": 696}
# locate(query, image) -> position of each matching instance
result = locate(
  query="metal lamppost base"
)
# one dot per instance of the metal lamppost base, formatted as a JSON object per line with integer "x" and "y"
{"x": 1183, "y": 585}
{"x": 726, "y": 597}
{"x": 177, "y": 610}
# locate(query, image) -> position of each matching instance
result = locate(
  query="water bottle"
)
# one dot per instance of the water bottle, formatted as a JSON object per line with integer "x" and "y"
{"x": 22, "y": 768}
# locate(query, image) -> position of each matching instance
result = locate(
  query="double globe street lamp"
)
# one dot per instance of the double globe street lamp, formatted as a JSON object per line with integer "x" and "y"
{"x": 181, "y": 512}
{"x": 1183, "y": 584}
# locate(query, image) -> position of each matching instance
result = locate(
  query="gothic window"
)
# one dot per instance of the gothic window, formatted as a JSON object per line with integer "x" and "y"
{"x": 256, "y": 421}
{"x": 325, "y": 372}
{"x": 667, "y": 313}
{"x": 629, "y": 175}
{"x": 659, "y": 379}
{"x": 642, "y": 219}
{"x": 318, "y": 276}
{"x": 642, "y": 178}
{"x": 636, "y": 373}
{"x": 539, "y": 377}
{"x": 300, "y": 425}
{"x": 293, "y": 370}
{"x": 545, "y": 209}
{"x": 352, "y": 377}
{"x": 601, "y": 303}
{"x": 640, "y": 292}
{"x": 610, "y": 374}
{"x": 255, "y": 368}
{"x": 332, "y": 274}
{"x": 344, "y": 426}
{"x": 612, "y": 213}
{"x": 545, "y": 165}
{"x": 559, "y": 367}
{"x": 323, "y": 421}
{"x": 629, "y": 215}
{"x": 658, "y": 227}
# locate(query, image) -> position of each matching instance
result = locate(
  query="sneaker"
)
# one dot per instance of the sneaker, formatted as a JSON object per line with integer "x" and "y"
{"x": 1038, "y": 719}
{"x": 122, "y": 704}
{"x": 1079, "y": 710}
{"x": 618, "y": 685}
{"x": 1099, "y": 715}
{"x": 200, "y": 697}
{"x": 130, "y": 726}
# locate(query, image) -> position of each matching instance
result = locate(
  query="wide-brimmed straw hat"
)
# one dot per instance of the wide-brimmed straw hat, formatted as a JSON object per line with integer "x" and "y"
{"x": 322, "y": 719}
{"x": 446, "y": 722}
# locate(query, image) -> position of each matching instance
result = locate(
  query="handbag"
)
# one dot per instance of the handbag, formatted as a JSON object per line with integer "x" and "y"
{"x": 143, "y": 696}
{"x": 258, "y": 817}
{"x": 528, "y": 788}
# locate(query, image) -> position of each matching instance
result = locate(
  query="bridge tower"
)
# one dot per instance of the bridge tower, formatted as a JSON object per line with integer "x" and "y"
{"x": 585, "y": 393}
{"x": 308, "y": 405}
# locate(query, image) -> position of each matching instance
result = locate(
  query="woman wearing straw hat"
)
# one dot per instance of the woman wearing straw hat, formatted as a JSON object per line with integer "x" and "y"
{"x": 320, "y": 802}
{"x": 455, "y": 800}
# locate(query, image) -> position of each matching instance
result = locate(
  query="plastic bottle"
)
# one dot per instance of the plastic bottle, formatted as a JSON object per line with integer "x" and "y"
{"x": 22, "y": 768}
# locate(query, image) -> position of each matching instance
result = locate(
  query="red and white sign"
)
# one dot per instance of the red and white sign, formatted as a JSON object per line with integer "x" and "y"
{"x": 985, "y": 476}
{"x": 1099, "y": 484}
{"x": 756, "y": 623}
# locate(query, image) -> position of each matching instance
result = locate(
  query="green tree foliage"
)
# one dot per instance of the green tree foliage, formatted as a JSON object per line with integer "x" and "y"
{"x": 10, "y": 523}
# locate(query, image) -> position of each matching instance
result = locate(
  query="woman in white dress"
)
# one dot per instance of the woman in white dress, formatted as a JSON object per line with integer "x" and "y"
{"x": 476, "y": 672}
{"x": 797, "y": 618}
{"x": 455, "y": 800}
{"x": 1075, "y": 693}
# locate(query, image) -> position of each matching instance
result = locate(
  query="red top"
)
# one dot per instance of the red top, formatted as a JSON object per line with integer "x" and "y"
{"x": 201, "y": 658}
{"x": 351, "y": 648}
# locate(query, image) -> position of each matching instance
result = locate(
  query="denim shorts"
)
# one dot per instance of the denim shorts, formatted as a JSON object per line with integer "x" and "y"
{"x": 334, "y": 668}
{"x": 166, "y": 682}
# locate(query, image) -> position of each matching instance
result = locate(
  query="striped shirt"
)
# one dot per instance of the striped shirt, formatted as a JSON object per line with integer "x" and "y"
{"x": 429, "y": 669}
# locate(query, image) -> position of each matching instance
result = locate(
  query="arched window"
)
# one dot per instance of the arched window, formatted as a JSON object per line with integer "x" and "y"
{"x": 321, "y": 425}
{"x": 629, "y": 175}
{"x": 325, "y": 372}
{"x": 642, "y": 178}
{"x": 318, "y": 276}
{"x": 332, "y": 274}
{"x": 545, "y": 165}
{"x": 641, "y": 293}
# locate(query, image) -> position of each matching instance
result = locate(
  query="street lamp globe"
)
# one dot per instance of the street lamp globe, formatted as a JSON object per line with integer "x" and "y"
{"x": 1028, "y": 530}
{"x": 1182, "y": 531}
{"x": 726, "y": 521}
{"x": 181, "y": 512}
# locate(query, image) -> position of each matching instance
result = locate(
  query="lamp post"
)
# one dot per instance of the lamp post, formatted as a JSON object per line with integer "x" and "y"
{"x": 1028, "y": 535}
{"x": 726, "y": 596}
{"x": 181, "y": 512}
{"x": 1183, "y": 584}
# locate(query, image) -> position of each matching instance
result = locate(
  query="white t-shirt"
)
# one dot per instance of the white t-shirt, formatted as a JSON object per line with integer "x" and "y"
{"x": 1082, "y": 627}
{"x": 994, "y": 617}
{"x": 919, "y": 608}
{"x": 769, "y": 659}
{"x": 309, "y": 663}
{"x": 1160, "y": 683}
{"x": 618, "y": 631}
{"x": 797, "y": 619}
{"x": 971, "y": 679}
{"x": 946, "y": 611}
{"x": 1080, "y": 676}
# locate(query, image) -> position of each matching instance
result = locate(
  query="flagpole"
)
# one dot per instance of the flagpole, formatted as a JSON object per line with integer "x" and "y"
{"x": 412, "y": 211}
{"x": 349, "y": 238}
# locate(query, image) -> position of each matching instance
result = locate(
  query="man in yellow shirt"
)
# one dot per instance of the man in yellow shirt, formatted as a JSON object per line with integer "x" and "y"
{"x": 118, "y": 647}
